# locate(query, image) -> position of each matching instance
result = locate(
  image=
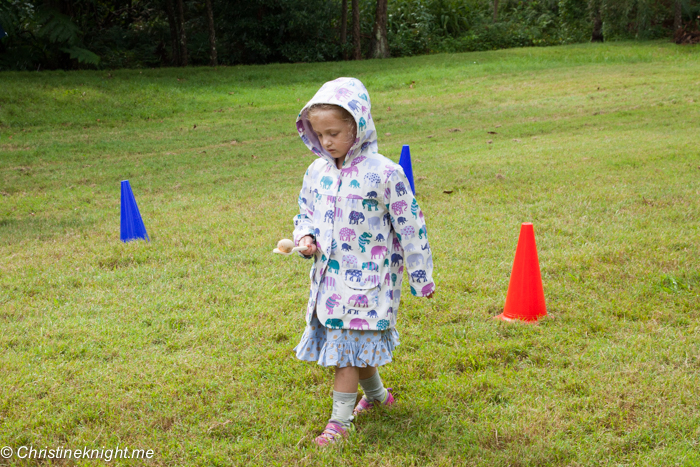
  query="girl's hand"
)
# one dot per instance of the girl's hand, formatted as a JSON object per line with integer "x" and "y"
{"x": 310, "y": 245}
{"x": 431, "y": 295}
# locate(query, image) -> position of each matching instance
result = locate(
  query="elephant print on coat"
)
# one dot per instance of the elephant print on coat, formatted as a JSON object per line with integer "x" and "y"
{"x": 334, "y": 323}
{"x": 408, "y": 232}
{"x": 352, "y": 200}
{"x": 374, "y": 222}
{"x": 399, "y": 207}
{"x": 354, "y": 184}
{"x": 359, "y": 300}
{"x": 362, "y": 124}
{"x": 354, "y": 105}
{"x": 364, "y": 240}
{"x": 328, "y": 283}
{"x": 355, "y": 274}
{"x": 359, "y": 324}
{"x": 332, "y": 302}
{"x": 345, "y": 247}
{"x": 326, "y": 182}
{"x": 370, "y": 266}
{"x": 373, "y": 179}
{"x": 329, "y": 216}
{"x": 379, "y": 251}
{"x": 418, "y": 275}
{"x": 349, "y": 261}
{"x": 347, "y": 234}
{"x": 333, "y": 266}
{"x": 370, "y": 205}
{"x": 396, "y": 259}
{"x": 356, "y": 217}
{"x": 372, "y": 314}
{"x": 400, "y": 189}
{"x": 349, "y": 171}
{"x": 414, "y": 260}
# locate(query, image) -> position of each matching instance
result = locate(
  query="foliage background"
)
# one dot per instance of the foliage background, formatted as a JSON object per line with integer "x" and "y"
{"x": 67, "y": 34}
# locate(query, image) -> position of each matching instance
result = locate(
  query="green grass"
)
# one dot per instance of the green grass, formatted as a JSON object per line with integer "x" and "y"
{"x": 183, "y": 345}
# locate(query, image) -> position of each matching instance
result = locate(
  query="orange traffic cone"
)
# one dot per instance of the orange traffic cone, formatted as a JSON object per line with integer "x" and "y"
{"x": 525, "y": 299}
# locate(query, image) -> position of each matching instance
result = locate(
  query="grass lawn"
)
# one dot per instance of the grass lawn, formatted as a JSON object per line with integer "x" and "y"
{"x": 184, "y": 345}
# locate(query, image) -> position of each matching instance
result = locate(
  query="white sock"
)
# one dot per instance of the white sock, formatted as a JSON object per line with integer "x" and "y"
{"x": 374, "y": 388}
{"x": 343, "y": 405}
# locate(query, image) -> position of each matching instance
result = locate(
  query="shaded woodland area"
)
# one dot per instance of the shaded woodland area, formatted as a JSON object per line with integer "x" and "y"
{"x": 72, "y": 34}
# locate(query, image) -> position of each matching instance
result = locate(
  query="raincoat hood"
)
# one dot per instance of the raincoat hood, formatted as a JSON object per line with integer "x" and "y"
{"x": 350, "y": 94}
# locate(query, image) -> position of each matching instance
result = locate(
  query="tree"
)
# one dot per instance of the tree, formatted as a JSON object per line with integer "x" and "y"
{"x": 379, "y": 47}
{"x": 356, "y": 45}
{"x": 495, "y": 10}
{"x": 677, "y": 16}
{"x": 183, "y": 36}
{"x": 174, "y": 33}
{"x": 344, "y": 28}
{"x": 597, "y": 34}
{"x": 212, "y": 34}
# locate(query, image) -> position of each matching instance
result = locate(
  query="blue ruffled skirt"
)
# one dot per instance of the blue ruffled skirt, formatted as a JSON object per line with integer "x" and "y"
{"x": 346, "y": 347}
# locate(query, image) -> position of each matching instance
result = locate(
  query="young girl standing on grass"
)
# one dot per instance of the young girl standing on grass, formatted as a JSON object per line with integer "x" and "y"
{"x": 362, "y": 226}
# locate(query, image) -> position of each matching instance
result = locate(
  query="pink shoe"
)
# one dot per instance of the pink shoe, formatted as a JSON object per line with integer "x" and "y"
{"x": 333, "y": 433}
{"x": 365, "y": 404}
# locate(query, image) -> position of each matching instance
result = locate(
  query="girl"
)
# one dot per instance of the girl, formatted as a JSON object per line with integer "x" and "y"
{"x": 362, "y": 225}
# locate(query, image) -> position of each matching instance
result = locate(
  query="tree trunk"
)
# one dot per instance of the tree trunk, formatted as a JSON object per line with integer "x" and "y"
{"x": 344, "y": 29}
{"x": 380, "y": 45}
{"x": 183, "y": 36}
{"x": 356, "y": 45}
{"x": 212, "y": 34}
{"x": 495, "y": 10}
{"x": 174, "y": 36}
{"x": 597, "y": 35}
{"x": 677, "y": 16}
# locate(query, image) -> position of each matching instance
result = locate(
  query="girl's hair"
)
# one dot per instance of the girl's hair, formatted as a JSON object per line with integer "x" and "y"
{"x": 340, "y": 112}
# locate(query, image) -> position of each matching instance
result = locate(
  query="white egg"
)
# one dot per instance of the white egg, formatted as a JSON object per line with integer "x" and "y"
{"x": 285, "y": 245}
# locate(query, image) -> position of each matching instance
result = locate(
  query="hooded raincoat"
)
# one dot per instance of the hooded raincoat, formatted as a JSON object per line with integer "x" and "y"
{"x": 366, "y": 221}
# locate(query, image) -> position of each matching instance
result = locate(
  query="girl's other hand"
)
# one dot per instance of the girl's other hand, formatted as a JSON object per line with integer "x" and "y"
{"x": 310, "y": 245}
{"x": 431, "y": 295}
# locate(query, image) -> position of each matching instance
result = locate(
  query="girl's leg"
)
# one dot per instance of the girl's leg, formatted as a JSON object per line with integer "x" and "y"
{"x": 372, "y": 385}
{"x": 345, "y": 394}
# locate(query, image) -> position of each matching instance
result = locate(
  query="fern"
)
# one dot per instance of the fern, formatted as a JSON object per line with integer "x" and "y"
{"x": 57, "y": 28}
{"x": 82, "y": 55}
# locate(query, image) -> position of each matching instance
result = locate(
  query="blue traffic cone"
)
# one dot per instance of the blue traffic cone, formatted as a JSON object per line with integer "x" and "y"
{"x": 132, "y": 224}
{"x": 405, "y": 163}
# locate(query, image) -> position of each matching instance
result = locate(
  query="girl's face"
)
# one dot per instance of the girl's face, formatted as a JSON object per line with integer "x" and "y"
{"x": 335, "y": 135}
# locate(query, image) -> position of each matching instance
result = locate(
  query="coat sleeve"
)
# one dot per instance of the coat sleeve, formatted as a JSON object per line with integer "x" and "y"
{"x": 409, "y": 223}
{"x": 303, "y": 222}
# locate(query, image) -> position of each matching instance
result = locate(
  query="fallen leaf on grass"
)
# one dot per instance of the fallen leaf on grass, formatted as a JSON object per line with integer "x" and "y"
{"x": 231, "y": 93}
{"x": 169, "y": 153}
{"x": 425, "y": 178}
{"x": 419, "y": 161}
{"x": 448, "y": 191}
{"x": 388, "y": 109}
{"x": 234, "y": 142}
{"x": 454, "y": 130}
{"x": 195, "y": 126}
{"x": 254, "y": 157}
{"x": 516, "y": 140}
{"x": 489, "y": 141}
{"x": 492, "y": 132}
{"x": 499, "y": 126}
{"x": 387, "y": 134}
{"x": 430, "y": 136}
{"x": 500, "y": 176}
